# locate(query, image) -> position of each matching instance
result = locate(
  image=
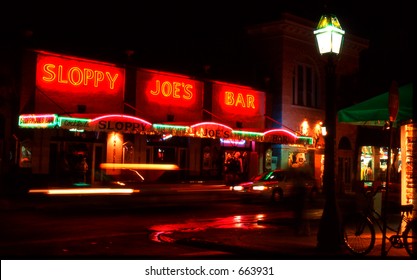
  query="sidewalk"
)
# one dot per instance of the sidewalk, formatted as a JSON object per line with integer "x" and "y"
{"x": 277, "y": 240}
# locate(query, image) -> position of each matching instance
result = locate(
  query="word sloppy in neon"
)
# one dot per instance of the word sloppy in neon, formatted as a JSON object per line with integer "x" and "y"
{"x": 121, "y": 126}
{"x": 77, "y": 76}
{"x": 175, "y": 89}
{"x": 239, "y": 100}
{"x": 37, "y": 120}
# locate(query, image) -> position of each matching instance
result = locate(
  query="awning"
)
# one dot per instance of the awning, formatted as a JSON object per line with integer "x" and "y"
{"x": 375, "y": 112}
{"x": 119, "y": 123}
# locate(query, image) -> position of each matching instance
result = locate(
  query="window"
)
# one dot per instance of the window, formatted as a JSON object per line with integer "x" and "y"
{"x": 305, "y": 87}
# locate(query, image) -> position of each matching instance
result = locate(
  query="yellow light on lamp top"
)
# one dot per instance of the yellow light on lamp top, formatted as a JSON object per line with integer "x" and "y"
{"x": 329, "y": 34}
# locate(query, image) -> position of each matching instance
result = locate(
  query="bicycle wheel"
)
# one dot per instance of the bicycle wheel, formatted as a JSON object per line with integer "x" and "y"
{"x": 410, "y": 238}
{"x": 359, "y": 234}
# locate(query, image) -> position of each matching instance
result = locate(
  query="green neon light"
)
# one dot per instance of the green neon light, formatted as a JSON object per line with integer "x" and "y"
{"x": 170, "y": 126}
{"x": 38, "y": 121}
{"x": 72, "y": 121}
{"x": 305, "y": 140}
{"x": 247, "y": 133}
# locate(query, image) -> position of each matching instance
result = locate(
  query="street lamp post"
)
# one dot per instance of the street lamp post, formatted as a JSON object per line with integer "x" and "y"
{"x": 329, "y": 35}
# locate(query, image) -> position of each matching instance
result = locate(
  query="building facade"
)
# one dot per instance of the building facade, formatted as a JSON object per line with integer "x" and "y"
{"x": 70, "y": 108}
{"x": 285, "y": 52}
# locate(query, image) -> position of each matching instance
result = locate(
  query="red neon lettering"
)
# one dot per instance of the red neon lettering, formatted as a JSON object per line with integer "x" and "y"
{"x": 240, "y": 100}
{"x": 158, "y": 88}
{"x": 75, "y": 71}
{"x": 98, "y": 77}
{"x": 187, "y": 90}
{"x": 77, "y": 76}
{"x": 230, "y": 100}
{"x": 88, "y": 75}
{"x": 250, "y": 101}
{"x": 60, "y": 79}
{"x": 167, "y": 89}
{"x": 176, "y": 86}
{"x": 112, "y": 80}
{"x": 47, "y": 68}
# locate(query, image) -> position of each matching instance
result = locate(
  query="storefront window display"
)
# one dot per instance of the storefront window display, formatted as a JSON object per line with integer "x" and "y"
{"x": 374, "y": 163}
{"x": 26, "y": 154}
{"x": 409, "y": 160}
{"x": 296, "y": 159}
{"x": 268, "y": 159}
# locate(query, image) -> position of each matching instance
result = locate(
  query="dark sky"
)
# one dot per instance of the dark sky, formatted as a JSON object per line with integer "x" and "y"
{"x": 196, "y": 32}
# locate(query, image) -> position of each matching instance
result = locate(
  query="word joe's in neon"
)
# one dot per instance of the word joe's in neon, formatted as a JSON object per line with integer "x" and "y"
{"x": 175, "y": 89}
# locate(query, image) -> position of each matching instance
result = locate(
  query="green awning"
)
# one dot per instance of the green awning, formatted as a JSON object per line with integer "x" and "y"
{"x": 374, "y": 111}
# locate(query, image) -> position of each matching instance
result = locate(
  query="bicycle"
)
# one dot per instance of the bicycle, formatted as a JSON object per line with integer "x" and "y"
{"x": 360, "y": 234}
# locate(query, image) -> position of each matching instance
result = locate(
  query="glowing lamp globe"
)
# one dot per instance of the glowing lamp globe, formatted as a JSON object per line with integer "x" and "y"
{"x": 329, "y": 34}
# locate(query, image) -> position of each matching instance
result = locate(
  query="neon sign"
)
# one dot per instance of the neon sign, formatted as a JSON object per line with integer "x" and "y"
{"x": 280, "y": 136}
{"x": 239, "y": 100}
{"x": 171, "y": 90}
{"x": 211, "y": 130}
{"x": 70, "y": 74}
{"x": 233, "y": 142}
{"x": 177, "y": 90}
{"x": 175, "y": 130}
{"x": 77, "y": 76}
{"x": 120, "y": 123}
{"x": 39, "y": 121}
{"x": 73, "y": 123}
{"x": 233, "y": 102}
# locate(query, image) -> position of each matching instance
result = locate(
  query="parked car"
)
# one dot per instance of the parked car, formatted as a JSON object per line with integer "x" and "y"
{"x": 277, "y": 185}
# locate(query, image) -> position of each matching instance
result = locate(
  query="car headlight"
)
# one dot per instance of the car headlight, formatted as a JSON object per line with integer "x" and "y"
{"x": 259, "y": 188}
{"x": 236, "y": 188}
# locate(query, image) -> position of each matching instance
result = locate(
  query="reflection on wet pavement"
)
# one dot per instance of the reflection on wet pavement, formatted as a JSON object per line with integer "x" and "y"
{"x": 160, "y": 232}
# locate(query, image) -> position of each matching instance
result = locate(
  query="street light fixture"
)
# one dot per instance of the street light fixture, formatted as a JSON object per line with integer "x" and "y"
{"x": 329, "y": 35}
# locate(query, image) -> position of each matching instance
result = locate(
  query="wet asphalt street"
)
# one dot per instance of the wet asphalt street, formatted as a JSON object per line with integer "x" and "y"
{"x": 196, "y": 221}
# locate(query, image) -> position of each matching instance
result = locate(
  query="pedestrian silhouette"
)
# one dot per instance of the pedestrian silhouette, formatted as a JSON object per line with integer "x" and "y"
{"x": 301, "y": 222}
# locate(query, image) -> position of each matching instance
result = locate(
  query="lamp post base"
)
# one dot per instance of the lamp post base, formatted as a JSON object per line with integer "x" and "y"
{"x": 330, "y": 234}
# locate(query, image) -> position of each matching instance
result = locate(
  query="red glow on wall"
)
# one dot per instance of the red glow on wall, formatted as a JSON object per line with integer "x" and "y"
{"x": 64, "y": 74}
{"x": 178, "y": 91}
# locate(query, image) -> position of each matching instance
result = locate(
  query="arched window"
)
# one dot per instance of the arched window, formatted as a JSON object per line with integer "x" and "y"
{"x": 344, "y": 144}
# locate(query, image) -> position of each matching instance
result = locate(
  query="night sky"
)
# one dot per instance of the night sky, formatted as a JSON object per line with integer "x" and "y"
{"x": 184, "y": 36}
